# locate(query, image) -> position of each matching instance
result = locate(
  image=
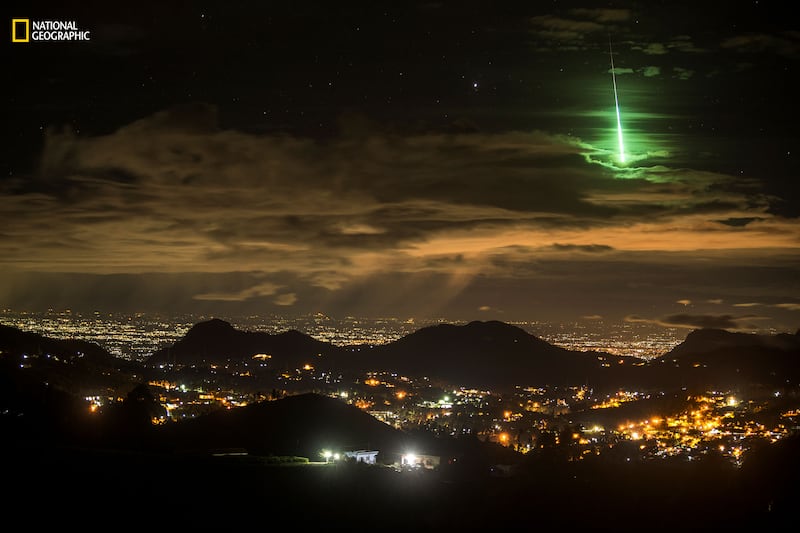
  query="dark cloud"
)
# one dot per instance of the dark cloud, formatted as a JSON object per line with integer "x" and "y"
{"x": 252, "y": 291}
{"x": 738, "y": 222}
{"x": 577, "y": 27}
{"x": 653, "y": 49}
{"x": 684, "y": 43}
{"x": 525, "y": 282}
{"x": 682, "y": 73}
{"x": 551, "y": 25}
{"x": 651, "y": 71}
{"x": 588, "y": 248}
{"x": 702, "y": 321}
{"x": 785, "y": 43}
{"x": 603, "y": 14}
{"x": 727, "y": 322}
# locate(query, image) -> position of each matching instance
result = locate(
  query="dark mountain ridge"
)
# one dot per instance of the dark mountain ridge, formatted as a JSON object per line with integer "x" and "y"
{"x": 491, "y": 354}
{"x": 61, "y": 363}
{"x": 715, "y": 357}
{"x": 702, "y": 341}
{"x": 477, "y": 354}
{"x": 217, "y": 341}
{"x": 500, "y": 356}
{"x": 16, "y": 341}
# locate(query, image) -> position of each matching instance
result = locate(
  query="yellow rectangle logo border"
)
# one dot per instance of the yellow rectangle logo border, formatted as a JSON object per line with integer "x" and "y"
{"x": 27, "y": 37}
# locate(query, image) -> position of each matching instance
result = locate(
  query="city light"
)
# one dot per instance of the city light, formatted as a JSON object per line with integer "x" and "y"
{"x": 726, "y": 421}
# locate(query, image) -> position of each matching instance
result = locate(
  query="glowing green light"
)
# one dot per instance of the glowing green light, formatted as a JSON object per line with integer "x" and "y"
{"x": 619, "y": 137}
{"x": 616, "y": 105}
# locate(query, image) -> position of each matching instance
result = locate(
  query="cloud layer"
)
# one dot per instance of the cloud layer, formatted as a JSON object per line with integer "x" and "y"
{"x": 174, "y": 193}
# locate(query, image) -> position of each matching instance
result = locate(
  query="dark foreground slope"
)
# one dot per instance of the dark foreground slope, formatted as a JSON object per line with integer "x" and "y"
{"x": 302, "y": 424}
{"x": 63, "y": 488}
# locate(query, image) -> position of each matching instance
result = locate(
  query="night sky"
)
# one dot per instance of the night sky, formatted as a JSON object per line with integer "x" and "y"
{"x": 410, "y": 159}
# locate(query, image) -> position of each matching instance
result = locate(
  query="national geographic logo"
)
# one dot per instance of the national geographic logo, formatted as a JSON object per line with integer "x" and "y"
{"x": 27, "y": 30}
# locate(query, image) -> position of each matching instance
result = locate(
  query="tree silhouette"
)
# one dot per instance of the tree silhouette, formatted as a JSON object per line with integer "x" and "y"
{"x": 130, "y": 421}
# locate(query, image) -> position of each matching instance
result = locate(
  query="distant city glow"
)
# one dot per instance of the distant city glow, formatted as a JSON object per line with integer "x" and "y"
{"x": 136, "y": 337}
{"x": 729, "y": 422}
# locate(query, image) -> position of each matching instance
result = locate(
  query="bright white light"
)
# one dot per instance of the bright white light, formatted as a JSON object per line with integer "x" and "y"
{"x": 409, "y": 459}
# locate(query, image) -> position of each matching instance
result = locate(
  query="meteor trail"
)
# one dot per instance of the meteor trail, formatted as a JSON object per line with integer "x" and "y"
{"x": 616, "y": 104}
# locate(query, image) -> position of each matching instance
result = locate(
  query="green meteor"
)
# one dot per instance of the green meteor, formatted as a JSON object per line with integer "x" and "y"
{"x": 616, "y": 104}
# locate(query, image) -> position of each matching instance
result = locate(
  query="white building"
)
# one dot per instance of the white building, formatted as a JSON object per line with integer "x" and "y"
{"x": 363, "y": 456}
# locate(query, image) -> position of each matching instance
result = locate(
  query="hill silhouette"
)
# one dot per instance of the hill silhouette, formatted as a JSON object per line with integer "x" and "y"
{"x": 302, "y": 424}
{"x": 705, "y": 341}
{"x": 714, "y": 357}
{"x": 217, "y": 341}
{"x": 500, "y": 356}
{"x": 16, "y": 342}
{"x": 40, "y": 376}
{"x": 491, "y": 354}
